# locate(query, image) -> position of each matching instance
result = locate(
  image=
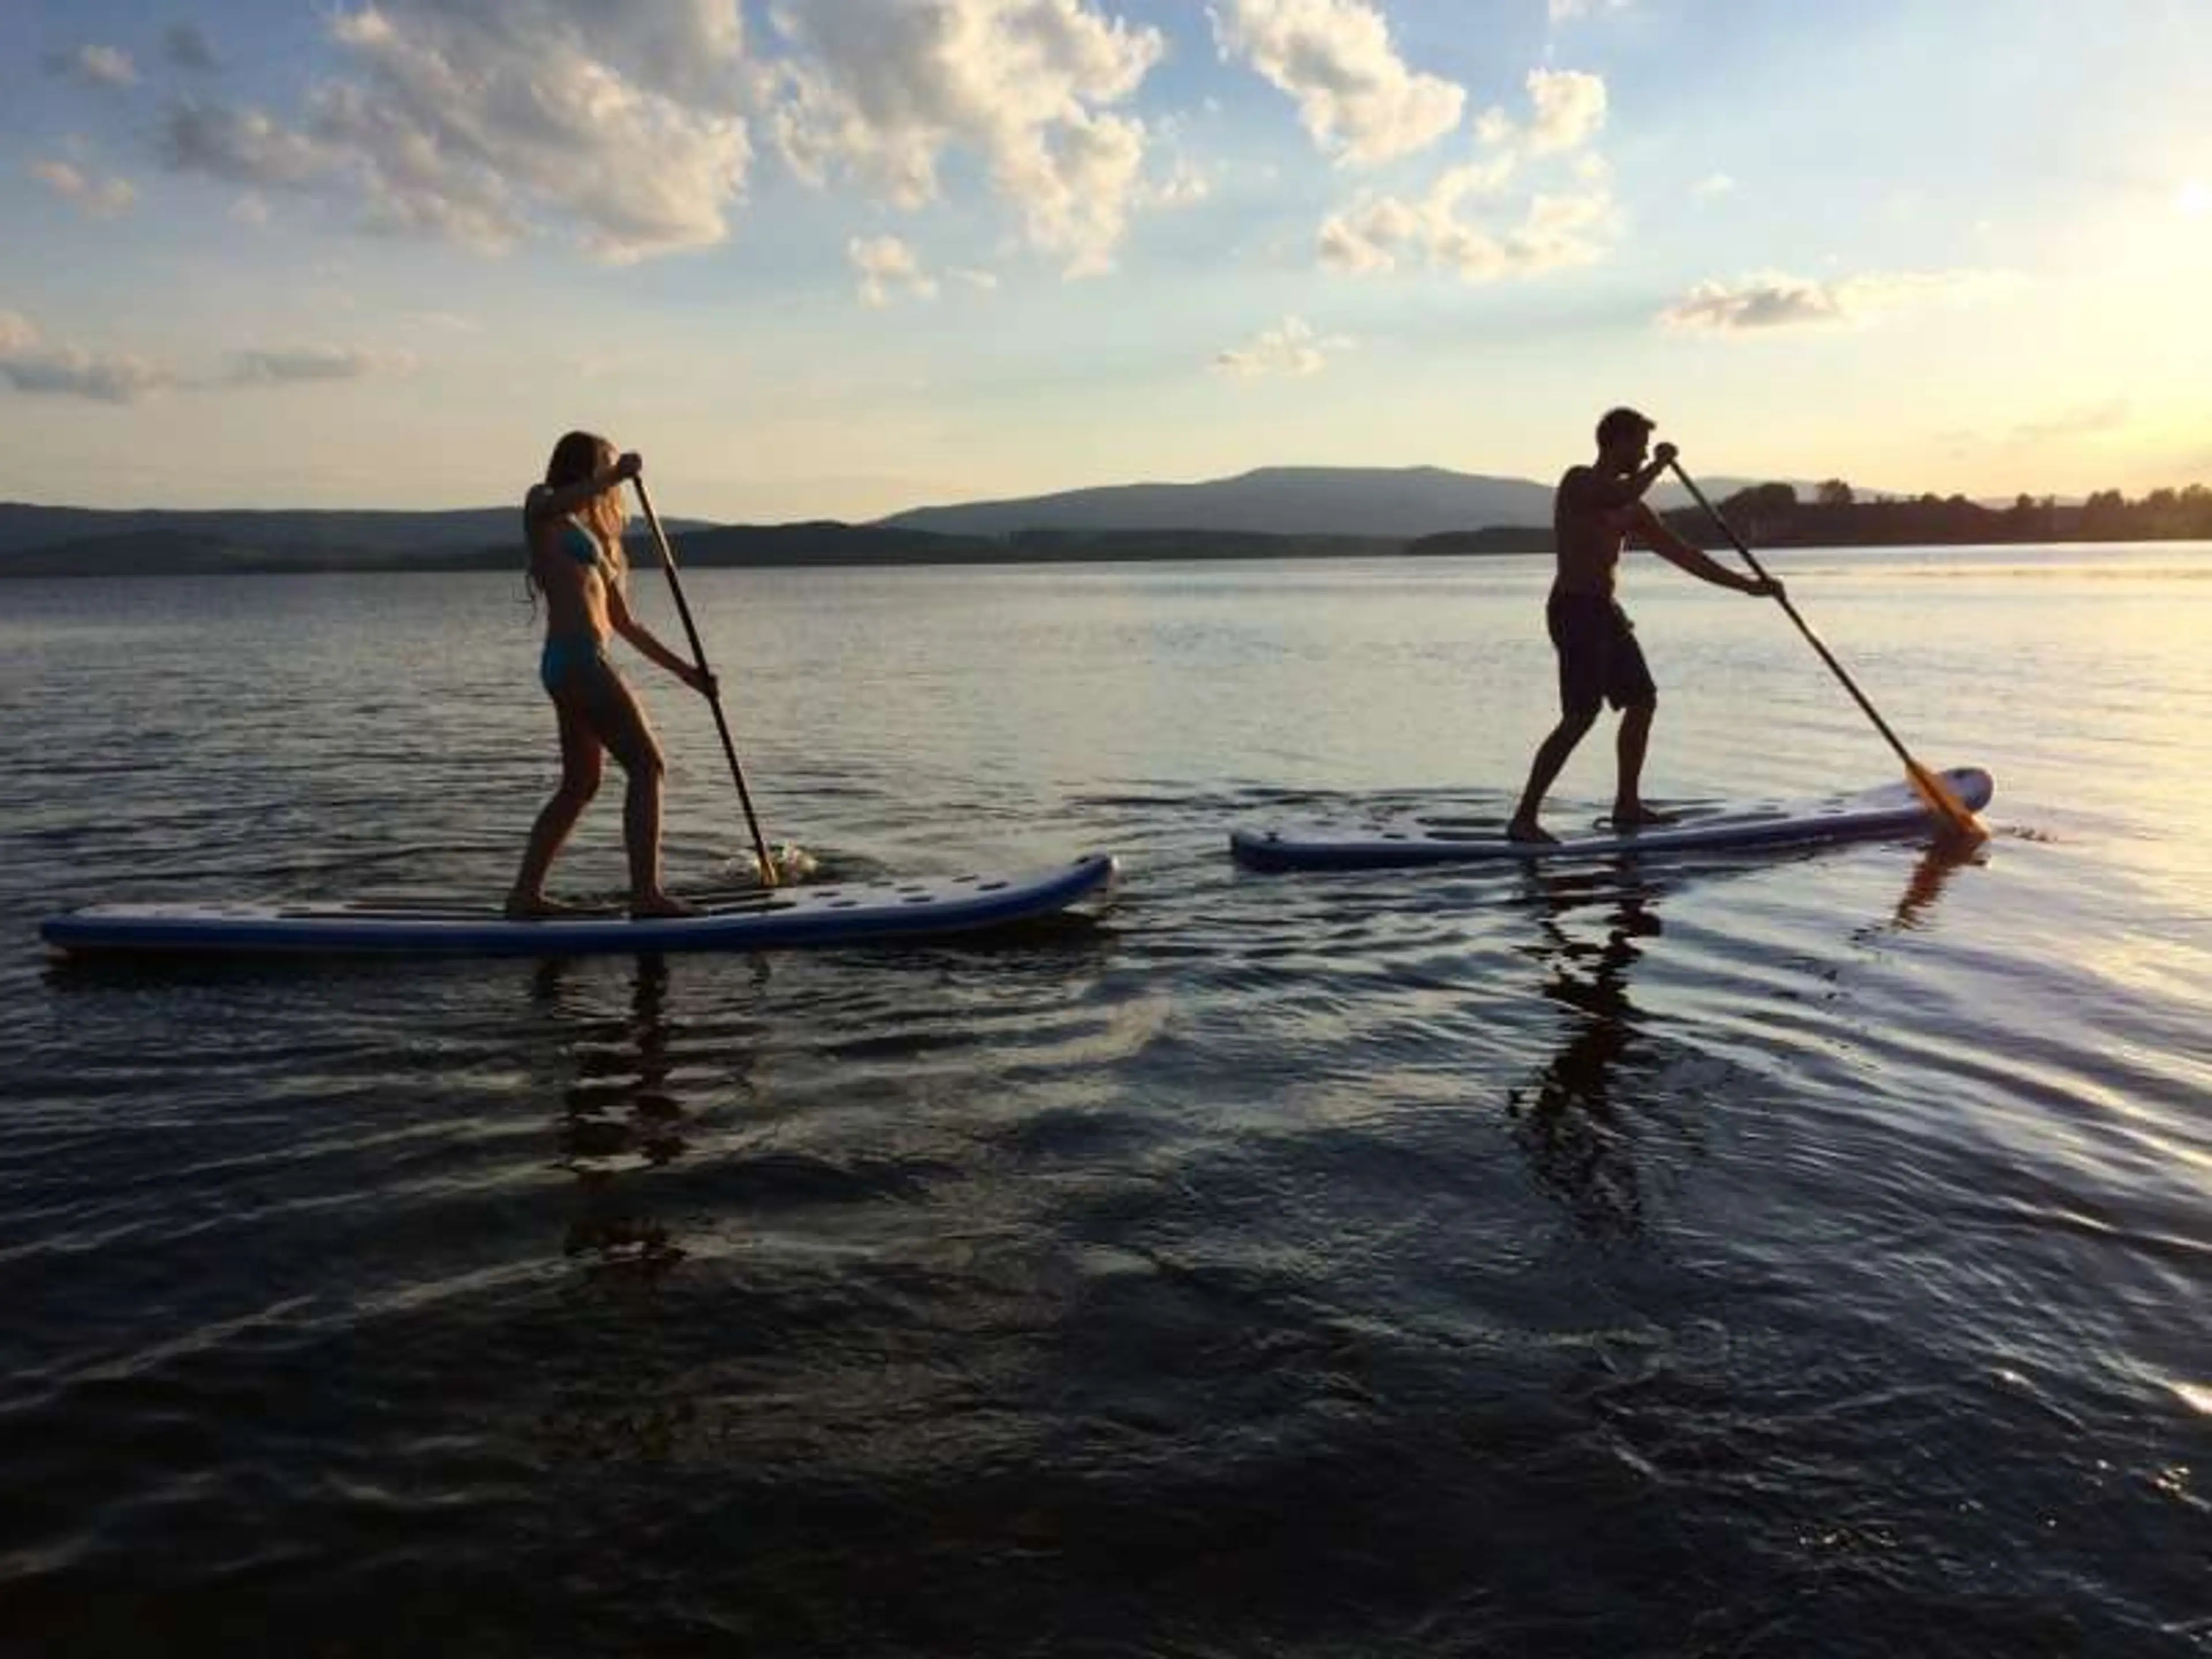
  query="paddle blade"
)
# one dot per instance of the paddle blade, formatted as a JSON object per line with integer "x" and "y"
{"x": 1954, "y": 817}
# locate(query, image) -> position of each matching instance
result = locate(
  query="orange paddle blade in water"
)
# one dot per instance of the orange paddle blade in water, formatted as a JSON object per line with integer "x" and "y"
{"x": 1953, "y": 816}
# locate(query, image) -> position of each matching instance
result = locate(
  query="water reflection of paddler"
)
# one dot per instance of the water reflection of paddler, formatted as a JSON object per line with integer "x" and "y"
{"x": 620, "y": 1116}
{"x": 1568, "y": 1126}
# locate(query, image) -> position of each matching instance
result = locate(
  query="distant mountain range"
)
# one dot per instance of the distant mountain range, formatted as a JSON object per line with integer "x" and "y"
{"x": 304, "y": 529}
{"x": 67, "y": 541}
{"x": 1283, "y": 512}
{"x": 1401, "y": 502}
{"x": 1276, "y": 512}
{"x": 1276, "y": 501}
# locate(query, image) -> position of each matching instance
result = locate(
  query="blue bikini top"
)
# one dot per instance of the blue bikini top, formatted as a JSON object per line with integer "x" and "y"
{"x": 580, "y": 545}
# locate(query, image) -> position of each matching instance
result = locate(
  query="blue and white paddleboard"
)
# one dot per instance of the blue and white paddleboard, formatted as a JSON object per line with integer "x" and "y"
{"x": 836, "y": 913}
{"x": 1353, "y": 846}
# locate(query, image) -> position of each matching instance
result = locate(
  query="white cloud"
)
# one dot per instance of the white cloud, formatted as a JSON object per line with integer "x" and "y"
{"x": 476, "y": 111}
{"x": 1468, "y": 222}
{"x": 1356, "y": 96}
{"x": 1569, "y": 111}
{"x": 1368, "y": 239}
{"x": 30, "y": 364}
{"x": 1551, "y": 233}
{"x": 888, "y": 267}
{"x": 471, "y": 120}
{"x": 984, "y": 280}
{"x": 245, "y": 146}
{"x": 488, "y": 122}
{"x": 1713, "y": 184}
{"x": 1293, "y": 348}
{"x": 1562, "y": 11}
{"x": 101, "y": 66}
{"x": 102, "y": 198}
{"x": 1774, "y": 301}
{"x": 297, "y": 365}
{"x": 1560, "y": 231}
{"x": 881, "y": 93}
{"x": 70, "y": 372}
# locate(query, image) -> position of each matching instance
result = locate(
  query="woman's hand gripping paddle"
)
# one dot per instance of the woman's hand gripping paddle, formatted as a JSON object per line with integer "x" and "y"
{"x": 1953, "y": 816}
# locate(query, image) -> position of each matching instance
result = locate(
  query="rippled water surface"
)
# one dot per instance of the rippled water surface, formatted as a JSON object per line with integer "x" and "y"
{"x": 1783, "y": 1254}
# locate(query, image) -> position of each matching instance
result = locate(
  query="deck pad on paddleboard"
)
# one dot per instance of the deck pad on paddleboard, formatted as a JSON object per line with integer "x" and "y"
{"x": 835, "y": 913}
{"x": 1420, "y": 839}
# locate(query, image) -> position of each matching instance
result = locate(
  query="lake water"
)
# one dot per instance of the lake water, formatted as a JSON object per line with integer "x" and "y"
{"x": 1779, "y": 1254}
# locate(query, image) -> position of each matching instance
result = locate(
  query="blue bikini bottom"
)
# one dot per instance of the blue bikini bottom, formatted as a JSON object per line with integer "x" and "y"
{"x": 567, "y": 655}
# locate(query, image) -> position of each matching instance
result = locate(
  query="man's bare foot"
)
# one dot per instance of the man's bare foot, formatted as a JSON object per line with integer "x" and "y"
{"x": 1637, "y": 816}
{"x": 1531, "y": 833}
{"x": 537, "y": 906}
{"x": 658, "y": 905}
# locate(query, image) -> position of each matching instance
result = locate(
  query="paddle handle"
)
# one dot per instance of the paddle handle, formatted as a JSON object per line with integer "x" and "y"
{"x": 1803, "y": 627}
{"x": 715, "y": 701}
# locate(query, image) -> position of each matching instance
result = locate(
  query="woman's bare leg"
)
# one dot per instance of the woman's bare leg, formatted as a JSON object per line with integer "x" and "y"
{"x": 621, "y": 726}
{"x": 581, "y": 769}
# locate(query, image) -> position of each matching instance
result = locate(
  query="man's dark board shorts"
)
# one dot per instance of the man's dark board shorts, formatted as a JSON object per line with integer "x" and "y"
{"x": 1599, "y": 657}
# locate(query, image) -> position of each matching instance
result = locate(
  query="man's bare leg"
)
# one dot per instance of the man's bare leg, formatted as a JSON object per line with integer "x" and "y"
{"x": 1629, "y": 811}
{"x": 1550, "y": 757}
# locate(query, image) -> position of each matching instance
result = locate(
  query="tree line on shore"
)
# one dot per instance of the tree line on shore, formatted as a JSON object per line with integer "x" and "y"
{"x": 1776, "y": 515}
{"x": 53, "y": 541}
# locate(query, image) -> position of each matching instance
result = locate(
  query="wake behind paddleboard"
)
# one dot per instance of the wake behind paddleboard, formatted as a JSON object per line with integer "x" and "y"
{"x": 837, "y": 913}
{"x": 1419, "y": 841}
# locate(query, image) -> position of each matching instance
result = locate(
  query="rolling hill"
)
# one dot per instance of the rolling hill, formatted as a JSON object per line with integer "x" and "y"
{"x": 1274, "y": 511}
{"x": 1398, "y": 502}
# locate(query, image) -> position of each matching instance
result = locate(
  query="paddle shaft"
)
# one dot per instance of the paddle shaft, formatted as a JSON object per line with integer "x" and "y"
{"x": 1803, "y": 627}
{"x": 699, "y": 657}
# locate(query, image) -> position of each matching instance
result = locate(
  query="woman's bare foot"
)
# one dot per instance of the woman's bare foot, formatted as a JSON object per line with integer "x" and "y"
{"x": 1531, "y": 833}
{"x": 1636, "y": 815}
{"x": 656, "y": 906}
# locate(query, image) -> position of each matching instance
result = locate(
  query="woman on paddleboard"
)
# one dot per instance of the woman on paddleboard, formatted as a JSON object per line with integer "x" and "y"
{"x": 573, "y": 523}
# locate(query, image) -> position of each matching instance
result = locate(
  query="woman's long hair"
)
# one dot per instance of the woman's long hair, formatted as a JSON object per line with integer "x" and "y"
{"x": 577, "y": 458}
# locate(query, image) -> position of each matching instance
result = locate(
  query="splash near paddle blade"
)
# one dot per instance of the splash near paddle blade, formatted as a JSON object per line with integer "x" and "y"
{"x": 1952, "y": 816}
{"x": 787, "y": 864}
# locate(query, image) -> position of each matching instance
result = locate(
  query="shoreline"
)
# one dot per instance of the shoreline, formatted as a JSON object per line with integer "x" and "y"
{"x": 785, "y": 550}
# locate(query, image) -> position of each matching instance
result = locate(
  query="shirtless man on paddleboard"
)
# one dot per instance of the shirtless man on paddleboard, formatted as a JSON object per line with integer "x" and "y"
{"x": 1594, "y": 510}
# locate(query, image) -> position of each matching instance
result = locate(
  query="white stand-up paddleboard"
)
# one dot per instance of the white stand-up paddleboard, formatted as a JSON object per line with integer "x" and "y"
{"x": 836, "y": 913}
{"x": 1353, "y": 846}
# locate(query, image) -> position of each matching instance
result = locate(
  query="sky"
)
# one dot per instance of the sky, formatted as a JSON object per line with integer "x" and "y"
{"x": 830, "y": 258}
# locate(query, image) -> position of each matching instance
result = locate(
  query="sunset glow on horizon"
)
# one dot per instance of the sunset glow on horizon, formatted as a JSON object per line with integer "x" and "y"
{"x": 840, "y": 259}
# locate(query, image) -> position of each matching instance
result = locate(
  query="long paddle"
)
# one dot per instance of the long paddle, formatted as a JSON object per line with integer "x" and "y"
{"x": 1953, "y": 814}
{"x": 699, "y": 656}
